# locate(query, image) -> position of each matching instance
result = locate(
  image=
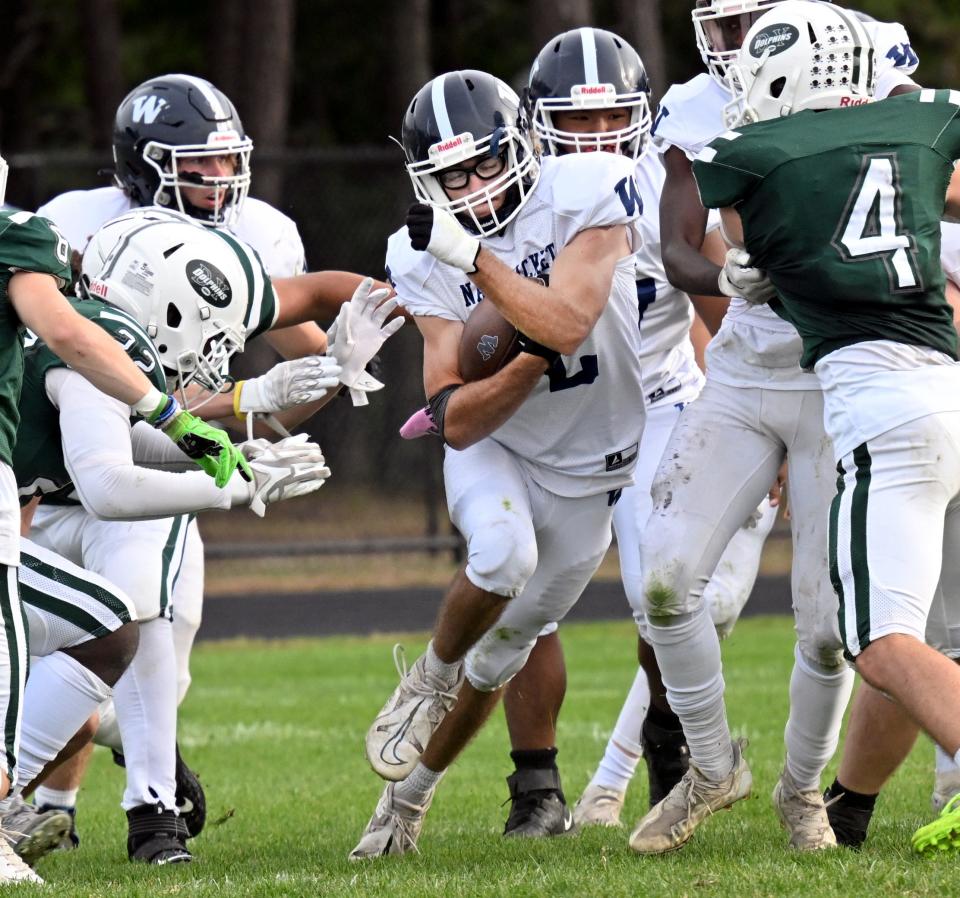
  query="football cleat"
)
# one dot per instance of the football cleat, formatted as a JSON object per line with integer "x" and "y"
{"x": 537, "y": 806}
{"x": 671, "y": 823}
{"x": 33, "y": 833}
{"x": 945, "y": 786}
{"x": 666, "y": 756}
{"x": 156, "y": 836}
{"x": 13, "y": 868}
{"x": 72, "y": 839}
{"x": 848, "y": 822}
{"x": 190, "y": 798}
{"x": 943, "y": 834}
{"x": 402, "y": 729}
{"x": 394, "y": 827}
{"x": 599, "y": 806}
{"x": 803, "y": 815}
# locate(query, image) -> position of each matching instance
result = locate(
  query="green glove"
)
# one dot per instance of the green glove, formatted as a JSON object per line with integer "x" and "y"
{"x": 208, "y": 446}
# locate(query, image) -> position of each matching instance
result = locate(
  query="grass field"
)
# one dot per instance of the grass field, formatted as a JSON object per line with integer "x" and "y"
{"x": 276, "y": 732}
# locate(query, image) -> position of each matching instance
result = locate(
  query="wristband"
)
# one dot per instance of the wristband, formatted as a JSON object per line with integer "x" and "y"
{"x": 151, "y": 404}
{"x": 532, "y": 347}
{"x": 238, "y": 386}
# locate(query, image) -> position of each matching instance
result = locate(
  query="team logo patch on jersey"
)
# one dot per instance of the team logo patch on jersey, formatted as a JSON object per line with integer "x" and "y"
{"x": 774, "y": 39}
{"x": 210, "y": 283}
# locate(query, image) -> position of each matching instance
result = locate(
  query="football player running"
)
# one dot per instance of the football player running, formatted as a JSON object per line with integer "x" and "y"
{"x": 179, "y": 145}
{"x": 858, "y": 273}
{"x": 588, "y": 92}
{"x": 757, "y": 408}
{"x": 538, "y": 452}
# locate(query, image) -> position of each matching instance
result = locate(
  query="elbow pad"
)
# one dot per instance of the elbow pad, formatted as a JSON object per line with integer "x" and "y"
{"x": 438, "y": 406}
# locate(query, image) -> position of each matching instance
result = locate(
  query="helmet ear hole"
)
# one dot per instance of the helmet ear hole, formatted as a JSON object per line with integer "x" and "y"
{"x": 173, "y": 316}
{"x": 776, "y": 87}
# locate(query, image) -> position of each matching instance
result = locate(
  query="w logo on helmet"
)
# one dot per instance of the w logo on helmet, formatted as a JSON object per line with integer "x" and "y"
{"x": 487, "y": 346}
{"x": 146, "y": 109}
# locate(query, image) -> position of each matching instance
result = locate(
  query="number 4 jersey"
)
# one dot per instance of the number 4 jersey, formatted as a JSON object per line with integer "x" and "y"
{"x": 846, "y": 218}
{"x": 577, "y": 433}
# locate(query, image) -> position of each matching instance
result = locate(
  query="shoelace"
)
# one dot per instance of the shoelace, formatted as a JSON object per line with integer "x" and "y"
{"x": 431, "y": 685}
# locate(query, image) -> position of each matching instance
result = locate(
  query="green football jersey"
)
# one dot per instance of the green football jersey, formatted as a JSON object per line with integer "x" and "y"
{"x": 38, "y": 458}
{"x": 32, "y": 244}
{"x": 843, "y": 208}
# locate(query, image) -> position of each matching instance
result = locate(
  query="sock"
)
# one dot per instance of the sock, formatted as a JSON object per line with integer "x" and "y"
{"x": 665, "y": 720}
{"x": 535, "y": 759}
{"x": 57, "y": 798}
{"x": 818, "y": 698}
{"x": 416, "y": 788}
{"x": 146, "y": 702}
{"x": 60, "y": 695}
{"x": 850, "y": 798}
{"x": 623, "y": 750}
{"x": 688, "y": 651}
{"x": 449, "y": 673}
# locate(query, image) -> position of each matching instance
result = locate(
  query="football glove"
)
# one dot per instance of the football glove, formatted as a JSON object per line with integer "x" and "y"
{"x": 439, "y": 233}
{"x": 289, "y": 384}
{"x": 739, "y": 278}
{"x": 357, "y": 334}
{"x": 284, "y": 470}
{"x": 208, "y": 446}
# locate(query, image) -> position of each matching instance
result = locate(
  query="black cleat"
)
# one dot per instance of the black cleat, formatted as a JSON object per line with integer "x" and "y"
{"x": 156, "y": 836}
{"x": 849, "y": 822}
{"x": 191, "y": 800}
{"x": 667, "y": 758}
{"x": 72, "y": 839}
{"x": 537, "y": 805}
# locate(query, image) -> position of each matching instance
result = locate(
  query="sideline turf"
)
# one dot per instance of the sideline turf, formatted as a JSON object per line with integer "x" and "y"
{"x": 276, "y": 732}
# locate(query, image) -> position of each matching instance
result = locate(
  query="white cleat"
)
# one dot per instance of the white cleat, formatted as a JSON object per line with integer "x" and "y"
{"x": 945, "y": 786}
{"x": 803, "y": 815}
{"x": 599, "y": 806}
{"x": 394, "y": 827}
{"x": 12, "y": 867}
{"x": 402, "y": 729}
{"x": 671, "y": 823}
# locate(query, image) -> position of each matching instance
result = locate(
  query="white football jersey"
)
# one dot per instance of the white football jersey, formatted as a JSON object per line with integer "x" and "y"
{"x": 755, "y": 347}
{"x": 578, "y": 432}
{"x": 666, "y": 353}
{"x": 80, "y": 213}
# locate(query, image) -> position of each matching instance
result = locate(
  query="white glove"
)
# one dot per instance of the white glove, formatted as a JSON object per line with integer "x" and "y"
{"x": 284, "y": 470}
{"x": 439, "y": 233}
{"x": 359, "y": 331}
{"x": 739, "y": 278}
{"x": 288, "y": 384}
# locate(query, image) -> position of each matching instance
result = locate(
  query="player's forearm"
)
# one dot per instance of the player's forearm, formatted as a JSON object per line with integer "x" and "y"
{"x": 316, "y": 296}
{"x": 298, "y": 341}
{"x": 477, "y": 409}
{"x": 549, "y": 315}
{"x": 688, "y": 270}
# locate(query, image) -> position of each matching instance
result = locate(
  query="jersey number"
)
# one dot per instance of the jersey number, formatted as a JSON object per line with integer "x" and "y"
{"x": 872, "y": 228}
{"x": 128, "y": 341}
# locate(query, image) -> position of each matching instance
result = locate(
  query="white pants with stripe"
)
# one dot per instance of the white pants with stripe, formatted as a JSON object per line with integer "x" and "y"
{"x": 143, "y": 558}
{"x": 525, "y": 543}
{"x": 895, "y": 535}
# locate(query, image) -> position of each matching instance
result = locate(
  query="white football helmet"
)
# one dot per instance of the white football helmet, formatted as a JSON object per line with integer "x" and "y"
{"x": 184, "y": 283}
{"x": 801, "y": 55}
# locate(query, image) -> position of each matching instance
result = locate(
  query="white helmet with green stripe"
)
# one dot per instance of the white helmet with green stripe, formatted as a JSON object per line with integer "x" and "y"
{"x": 191, "y": 289}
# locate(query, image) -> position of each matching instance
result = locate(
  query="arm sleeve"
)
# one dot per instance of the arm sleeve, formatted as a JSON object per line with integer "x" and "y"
{"x": 98, "y": 451}
{"x": 152, "y": 449}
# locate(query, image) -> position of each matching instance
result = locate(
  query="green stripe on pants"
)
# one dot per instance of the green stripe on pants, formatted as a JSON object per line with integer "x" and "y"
{"x": 858, "y": 544}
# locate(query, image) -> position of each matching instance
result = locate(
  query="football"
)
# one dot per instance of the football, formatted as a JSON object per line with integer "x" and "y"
{"x": 488, "y": 342}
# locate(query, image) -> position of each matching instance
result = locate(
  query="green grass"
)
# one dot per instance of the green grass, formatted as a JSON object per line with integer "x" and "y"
{"x": 276, "y": 732}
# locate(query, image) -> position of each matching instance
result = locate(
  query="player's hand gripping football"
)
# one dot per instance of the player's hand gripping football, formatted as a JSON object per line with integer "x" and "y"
{"x": 356, "y": 336}
{"x": 439, "y": 233}
{"x": 739, "y": 278}
{"x": 208, "y": 446}
{"x": 289, "y": 384}
{"x": 283, "y": 470}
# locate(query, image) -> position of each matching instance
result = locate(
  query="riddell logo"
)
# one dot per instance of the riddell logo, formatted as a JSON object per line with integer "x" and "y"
{"x": 449, "y": 145}
{"x": 591, "y": 89}
{"x": 853, "y": 101}
{"x": 98, "y": 288}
